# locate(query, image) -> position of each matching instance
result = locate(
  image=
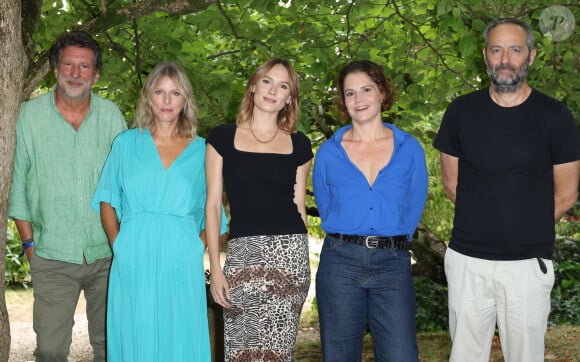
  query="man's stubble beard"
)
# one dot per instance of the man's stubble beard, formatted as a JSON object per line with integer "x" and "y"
{"x": 512, "y": 83}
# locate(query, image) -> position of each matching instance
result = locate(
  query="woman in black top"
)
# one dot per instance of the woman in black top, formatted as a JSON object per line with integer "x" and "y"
{"x": 263, "y": 164}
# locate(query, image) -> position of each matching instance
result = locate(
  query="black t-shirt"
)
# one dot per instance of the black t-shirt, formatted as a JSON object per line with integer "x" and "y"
{"x": 505, "y": 196}
{"x": 260, "y": 186}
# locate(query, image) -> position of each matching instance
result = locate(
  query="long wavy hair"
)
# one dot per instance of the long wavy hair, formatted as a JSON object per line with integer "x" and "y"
{"x": 187, "y": 122}
{"x": 287, "y": 116}
{"x": 375, "y": 72}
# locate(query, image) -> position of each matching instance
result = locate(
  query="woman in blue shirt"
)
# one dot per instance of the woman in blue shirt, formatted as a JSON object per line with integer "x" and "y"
{"x": 370, "y": 184}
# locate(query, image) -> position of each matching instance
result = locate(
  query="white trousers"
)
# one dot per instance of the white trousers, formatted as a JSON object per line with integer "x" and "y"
{"x": 515, "y": 294}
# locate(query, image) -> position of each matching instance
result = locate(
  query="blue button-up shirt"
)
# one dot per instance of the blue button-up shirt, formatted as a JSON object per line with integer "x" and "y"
{"x": 393, "y": 205}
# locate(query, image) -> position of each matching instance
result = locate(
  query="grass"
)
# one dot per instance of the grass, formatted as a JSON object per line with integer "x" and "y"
{"x": 562, "y": 345}
{"x": 562, "y": 342}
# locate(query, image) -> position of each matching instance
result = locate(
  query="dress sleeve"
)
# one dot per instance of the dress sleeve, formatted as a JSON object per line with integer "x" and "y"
{"x": 222, "y": 137}
{"x": 303, "y": 148}
{"x": 109, "y": 187}
{"x": 199, "y": 214}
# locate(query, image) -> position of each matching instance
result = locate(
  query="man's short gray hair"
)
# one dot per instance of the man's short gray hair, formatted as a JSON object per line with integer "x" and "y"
{"x": 522, "y": 24}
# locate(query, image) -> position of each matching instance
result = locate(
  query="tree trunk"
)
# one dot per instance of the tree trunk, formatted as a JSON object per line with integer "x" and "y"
{"x": 13, "y": 65}
{"x": 19, "y": 20}
{"x": 428, "y": 251}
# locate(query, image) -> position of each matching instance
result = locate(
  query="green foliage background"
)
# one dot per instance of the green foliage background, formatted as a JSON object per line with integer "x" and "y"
{"x": 431, "y": 49}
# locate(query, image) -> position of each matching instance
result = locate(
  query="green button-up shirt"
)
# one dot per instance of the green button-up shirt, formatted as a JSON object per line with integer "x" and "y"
{"x": 56, "y": 170}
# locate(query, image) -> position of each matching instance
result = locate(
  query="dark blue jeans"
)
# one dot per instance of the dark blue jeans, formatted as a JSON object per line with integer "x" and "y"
{"x": 355, "y": 286}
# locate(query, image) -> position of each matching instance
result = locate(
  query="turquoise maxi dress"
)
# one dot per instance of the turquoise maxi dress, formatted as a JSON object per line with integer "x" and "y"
{"x": 157, "y": 308}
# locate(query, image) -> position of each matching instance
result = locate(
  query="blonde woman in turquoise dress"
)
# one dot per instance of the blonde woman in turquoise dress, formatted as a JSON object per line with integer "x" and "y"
{"x": 151, "y": 197}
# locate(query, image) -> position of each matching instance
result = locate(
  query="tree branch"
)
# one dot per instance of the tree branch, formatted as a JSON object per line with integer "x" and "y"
{"x": 105, "y": 20}
{"x": 233, "y": 28}
{"x": 228, "y": 20}
{"x": 433, "y": 49}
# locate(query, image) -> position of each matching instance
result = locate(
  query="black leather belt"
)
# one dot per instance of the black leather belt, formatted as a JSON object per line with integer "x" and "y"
{"x": 400, "y": 242}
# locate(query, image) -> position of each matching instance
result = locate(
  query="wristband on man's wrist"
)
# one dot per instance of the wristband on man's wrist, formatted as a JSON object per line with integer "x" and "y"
{"x": 26, "y": 243}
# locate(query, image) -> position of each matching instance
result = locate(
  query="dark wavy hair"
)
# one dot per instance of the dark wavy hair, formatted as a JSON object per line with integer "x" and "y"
{"x": 375, "y": 72}
{"x": 78, "y": 39}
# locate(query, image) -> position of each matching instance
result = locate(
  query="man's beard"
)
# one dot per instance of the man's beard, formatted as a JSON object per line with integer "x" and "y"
{"x": 512, "y": 83}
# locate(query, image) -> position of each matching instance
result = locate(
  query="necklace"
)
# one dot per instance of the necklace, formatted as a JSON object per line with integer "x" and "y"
{"x": 259, "y": 140}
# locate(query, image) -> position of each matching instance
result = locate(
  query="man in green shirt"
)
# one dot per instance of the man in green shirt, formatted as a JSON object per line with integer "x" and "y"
{"x": 62, "y": 140}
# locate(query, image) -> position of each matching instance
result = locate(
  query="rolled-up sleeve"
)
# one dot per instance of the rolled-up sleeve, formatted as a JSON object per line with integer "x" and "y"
{"x": 19, "y": 207}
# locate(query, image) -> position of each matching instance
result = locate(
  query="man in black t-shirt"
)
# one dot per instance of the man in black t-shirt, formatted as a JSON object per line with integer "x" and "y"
{"x": 510, "y": 164}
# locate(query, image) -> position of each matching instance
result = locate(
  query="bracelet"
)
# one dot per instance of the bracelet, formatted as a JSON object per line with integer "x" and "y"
{"x": 28, "y": 244}
{"x": 25, "y": 241}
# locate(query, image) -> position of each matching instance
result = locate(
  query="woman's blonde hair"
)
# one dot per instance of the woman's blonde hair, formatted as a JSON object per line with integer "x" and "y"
{"x": 288, "y": 116}
{"x": 187, "y": 122}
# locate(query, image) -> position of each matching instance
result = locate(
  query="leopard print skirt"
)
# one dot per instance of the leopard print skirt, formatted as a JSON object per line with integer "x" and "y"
{"x": 268, "y": 276}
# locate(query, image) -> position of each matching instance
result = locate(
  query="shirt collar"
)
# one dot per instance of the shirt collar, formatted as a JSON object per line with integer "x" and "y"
{"x": 398, "y": 134}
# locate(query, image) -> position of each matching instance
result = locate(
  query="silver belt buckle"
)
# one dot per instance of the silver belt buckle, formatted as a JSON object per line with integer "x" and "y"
{"x": 372, "y": 242}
